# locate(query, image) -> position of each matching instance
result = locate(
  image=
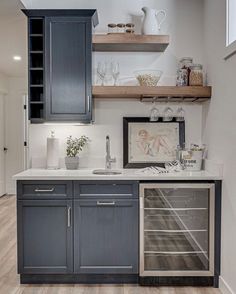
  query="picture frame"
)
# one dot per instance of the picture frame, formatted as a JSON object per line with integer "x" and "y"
{"x": 147, "y": 143}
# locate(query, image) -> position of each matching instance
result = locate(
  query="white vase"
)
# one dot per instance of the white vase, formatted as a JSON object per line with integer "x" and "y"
{"x": 153, "y": 19}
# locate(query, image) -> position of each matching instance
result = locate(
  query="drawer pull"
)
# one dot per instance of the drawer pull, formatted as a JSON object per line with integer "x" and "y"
{"x": 99, "y": 203}
{"x": 37, "y": 190}
{"x": 69, "y": 217}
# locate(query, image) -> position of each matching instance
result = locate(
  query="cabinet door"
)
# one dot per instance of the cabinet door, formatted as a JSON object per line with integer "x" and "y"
{"x": 106, "y": 236}
{"x": 177, "y": 229}
{"x": 68, "y": 51}
{"x": 44, "y": 237}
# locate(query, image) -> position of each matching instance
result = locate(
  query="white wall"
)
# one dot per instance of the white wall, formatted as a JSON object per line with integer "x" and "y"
{"x": 220, "y": 131}
{"x": 185, "y": 26}
{"x": 3, "y": 83}
{"x": 13, "y": 36}
{"x": 14, "y": 130}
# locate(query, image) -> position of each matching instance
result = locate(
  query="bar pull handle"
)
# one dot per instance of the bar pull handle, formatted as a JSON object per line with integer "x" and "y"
{"x": 89, "y": 103}
{"x": 37, "y": 190}
{"x": 69, "y": 217}
{"x": 99, "y": 203}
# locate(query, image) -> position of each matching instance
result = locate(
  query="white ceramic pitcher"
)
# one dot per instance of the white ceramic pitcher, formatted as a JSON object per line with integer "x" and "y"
{"x": 153, "y": 20}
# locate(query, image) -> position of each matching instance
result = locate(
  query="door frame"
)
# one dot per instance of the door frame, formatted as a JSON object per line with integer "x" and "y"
{"x": 3, "y": 94}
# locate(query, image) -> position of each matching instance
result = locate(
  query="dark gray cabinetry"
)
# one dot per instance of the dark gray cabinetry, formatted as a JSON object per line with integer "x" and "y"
{"x": 45, "y": 236}
{"x": 68, "y": 45}
{"x": 106, "y": 236}
{"x": 106, "y": 227}
{"x": 44, "y": 190}
{"x": 45, "y": 227}
{"x": 60, "y": 65}
{"x": 67, "y": 227}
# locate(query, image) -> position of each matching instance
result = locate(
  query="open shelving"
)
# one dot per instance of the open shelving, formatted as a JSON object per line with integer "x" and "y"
{"x": 130, "y": 43}
{"x": 160, "y": 93}
{"x": 36, "y": 69}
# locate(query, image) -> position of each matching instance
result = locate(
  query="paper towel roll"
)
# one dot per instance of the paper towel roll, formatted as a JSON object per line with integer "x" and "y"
{"x": 53, "y": 153}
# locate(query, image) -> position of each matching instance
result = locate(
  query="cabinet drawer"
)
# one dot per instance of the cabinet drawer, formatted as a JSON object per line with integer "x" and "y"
{"x": 118, "y": 189}
{"x": 44, "y": 189}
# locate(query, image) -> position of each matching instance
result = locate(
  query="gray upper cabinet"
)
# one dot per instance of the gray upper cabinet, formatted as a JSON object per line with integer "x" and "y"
{"x": 60, "y": 65}
{"x": 68, "y": 69}
{"x": 45, "y": 237}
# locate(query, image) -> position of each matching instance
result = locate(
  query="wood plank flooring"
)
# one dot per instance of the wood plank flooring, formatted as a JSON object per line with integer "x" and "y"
{"x": 9, "y": 280}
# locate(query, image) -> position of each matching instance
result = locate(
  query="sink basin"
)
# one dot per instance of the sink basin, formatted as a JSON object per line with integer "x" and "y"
{"x": 106, "y": 172}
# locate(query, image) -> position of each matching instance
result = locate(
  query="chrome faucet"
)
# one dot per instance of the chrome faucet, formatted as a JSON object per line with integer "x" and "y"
{"x": 109, "y": 159}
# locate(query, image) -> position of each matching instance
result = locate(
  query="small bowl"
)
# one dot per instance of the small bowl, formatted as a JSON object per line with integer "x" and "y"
{"x": 148, "y": 78}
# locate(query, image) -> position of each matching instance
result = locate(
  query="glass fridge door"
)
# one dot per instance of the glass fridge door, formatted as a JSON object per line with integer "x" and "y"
{"x": 177, "y": 229}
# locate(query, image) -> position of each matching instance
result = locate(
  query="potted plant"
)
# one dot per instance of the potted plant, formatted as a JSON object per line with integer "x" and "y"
{"x": 74, "y": 146}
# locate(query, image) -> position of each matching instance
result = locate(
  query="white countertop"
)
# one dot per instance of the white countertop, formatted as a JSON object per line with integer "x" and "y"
{"x": 127, "y": 174}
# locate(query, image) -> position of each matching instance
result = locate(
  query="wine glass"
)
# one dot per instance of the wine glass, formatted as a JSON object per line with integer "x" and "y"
{"x": 168, "y": 114}
{"x": 180, "y": 114}
{"x": 115, "y": 68}
{"x": 154, "y": 113}
{"x": 101, "y": 71}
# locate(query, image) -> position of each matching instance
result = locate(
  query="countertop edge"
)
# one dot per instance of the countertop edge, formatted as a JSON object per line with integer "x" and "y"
{"x": 34, "y": 174}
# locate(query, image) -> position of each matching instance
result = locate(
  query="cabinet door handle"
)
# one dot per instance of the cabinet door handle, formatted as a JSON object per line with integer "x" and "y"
{"x": 99, "y": 203}
{"x": 69, "y": 217}
{"x": 44, "y": 190}
{"x": 88, "y": 103}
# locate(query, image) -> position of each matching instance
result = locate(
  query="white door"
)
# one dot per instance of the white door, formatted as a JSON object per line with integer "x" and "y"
{"x": 2, "y": 142}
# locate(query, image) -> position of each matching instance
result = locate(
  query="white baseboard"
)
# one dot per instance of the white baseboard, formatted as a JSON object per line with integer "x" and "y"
{"x": 11, "y": 191}
{"x": 224, "y": 287}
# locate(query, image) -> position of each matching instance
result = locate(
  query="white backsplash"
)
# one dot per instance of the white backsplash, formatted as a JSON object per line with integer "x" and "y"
{"x": 108, "y": 121}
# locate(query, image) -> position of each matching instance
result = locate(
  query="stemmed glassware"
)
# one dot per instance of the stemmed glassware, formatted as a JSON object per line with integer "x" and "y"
{"x": 108, "y": 71}
{"x": 154, "y": 113}
{"x": 101, "y": 71}
{"x": 115, "y": 68}
{"x": 168, "y": 114}
{"x": 180, "y": 114}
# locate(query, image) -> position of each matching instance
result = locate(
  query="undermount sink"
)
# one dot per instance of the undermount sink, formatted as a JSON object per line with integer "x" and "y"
{"x": 106, "y": 172}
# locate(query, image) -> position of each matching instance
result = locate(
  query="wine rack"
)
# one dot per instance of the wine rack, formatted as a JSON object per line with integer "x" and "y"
{"x": 36, "y": 70}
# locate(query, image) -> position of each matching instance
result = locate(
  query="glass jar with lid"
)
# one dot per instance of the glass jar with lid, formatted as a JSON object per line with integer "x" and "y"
{"x": 112, "y": 28}
{"x": 121, "y": 28}
{"x": 186, "y": 63}
{"x": 196, "y": 75}
{"x": 182, "y": 77}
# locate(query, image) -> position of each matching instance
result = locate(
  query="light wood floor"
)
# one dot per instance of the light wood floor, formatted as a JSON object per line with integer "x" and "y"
{"x": 9, "y": 280}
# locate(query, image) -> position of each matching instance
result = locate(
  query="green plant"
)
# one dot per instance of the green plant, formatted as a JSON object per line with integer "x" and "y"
{"x": 74, "y": 146}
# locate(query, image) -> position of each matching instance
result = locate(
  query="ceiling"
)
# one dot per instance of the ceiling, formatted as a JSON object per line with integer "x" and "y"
{"x": 13, "y": 36}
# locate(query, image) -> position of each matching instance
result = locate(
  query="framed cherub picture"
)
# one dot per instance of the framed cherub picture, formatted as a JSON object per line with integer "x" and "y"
{"x": 150, "y": 143}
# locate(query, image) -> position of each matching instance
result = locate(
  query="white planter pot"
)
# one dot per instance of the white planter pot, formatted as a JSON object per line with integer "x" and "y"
{"x": 72, "y": 162}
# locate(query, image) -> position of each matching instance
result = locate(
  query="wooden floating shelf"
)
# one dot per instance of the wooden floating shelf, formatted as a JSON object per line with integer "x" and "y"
{"x": 130, "y": 43}
{"x": 161, "y": 93}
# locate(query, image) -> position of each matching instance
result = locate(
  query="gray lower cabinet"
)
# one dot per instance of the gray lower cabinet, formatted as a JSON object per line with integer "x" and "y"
{"x": 106, "y": 236}
{"x": 45, "y": 236}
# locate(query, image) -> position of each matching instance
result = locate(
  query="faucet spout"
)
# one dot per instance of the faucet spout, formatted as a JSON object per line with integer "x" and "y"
{"x": 109, "y": 159}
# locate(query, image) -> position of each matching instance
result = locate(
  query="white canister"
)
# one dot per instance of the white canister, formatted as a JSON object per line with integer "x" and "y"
{"x": 53, "y": 154}
{"x": 192, "y": 160}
